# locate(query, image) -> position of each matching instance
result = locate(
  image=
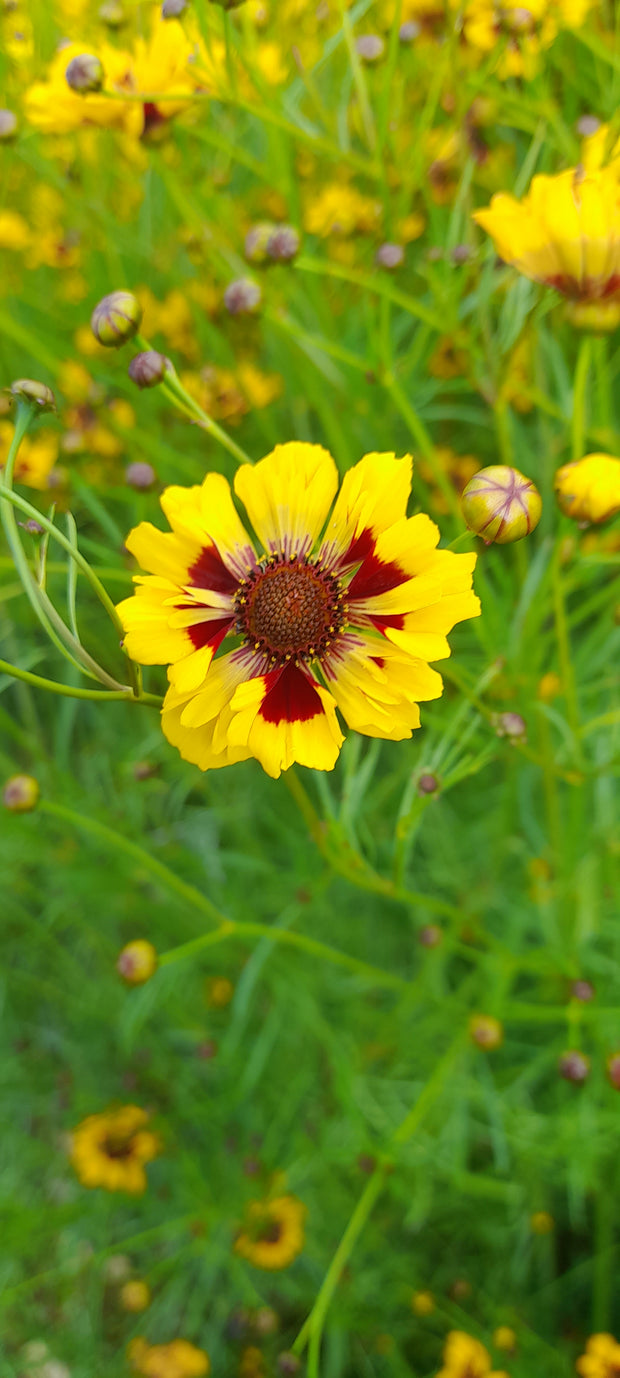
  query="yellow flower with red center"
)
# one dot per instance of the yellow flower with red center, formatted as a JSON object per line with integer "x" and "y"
{"x": 601, "y": 1359}
{"x": 348, "y": 619}
{"x": 110, "y": 1150}
{"x": 273, "y": 1234}
{"x": 589, "y": 489}
{"x": 177, "y": 1359}
{"x": 466, "y": 1357}
{"x": 564, "y": 233}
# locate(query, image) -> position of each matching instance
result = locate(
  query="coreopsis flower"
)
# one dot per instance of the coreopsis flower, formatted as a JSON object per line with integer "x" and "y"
{"x": 601, "y": 1359}
{"x": 273, "y": 1233}
{"x": 466, "y": 1357}
{"x": 589, "y": 488}
{"x": 564, "y": 233}
{"x": 348, "y": 619}
{"x": 36, "y": 458}
{"x": 177, "y": 1359}
{"x": 110, "y": 1150}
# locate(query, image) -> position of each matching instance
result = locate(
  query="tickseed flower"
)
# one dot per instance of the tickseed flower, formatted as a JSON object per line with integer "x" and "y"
{"x": 501, "y": 504}
{"x": 589, "y": 489}
{"x": 564, "y": 233}
{"x": 601, "y": 1359}
{"x": 135, "y": 1295}
{"x": 177, "y": 1359}
{"x": 110, "y": 1150}
{"x": 273, "y": 1234}
{"x": 465, "y": 1357}
{"x": 349, "y": 621}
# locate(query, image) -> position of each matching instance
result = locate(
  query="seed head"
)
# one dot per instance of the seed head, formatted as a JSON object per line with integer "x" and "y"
{"x": 283, "y": 244}
{"x": 486, "y": 1031}
{"x": 149, "y": 368}
{"x": 116, "y": 319}
{"x": 30, "y": 390}
{"x": 8, "y": 125}
{"x": 85, "y": 74}
{"x": 500, "y": 504}
{"x": 242, "y": 297}
{"x": 140, "y": 475}
{"x": 135, "y": 1295}
{"x": 21, "y": 794}
{"x": 137, "y": 962}
{"x": 574, "y": 1066}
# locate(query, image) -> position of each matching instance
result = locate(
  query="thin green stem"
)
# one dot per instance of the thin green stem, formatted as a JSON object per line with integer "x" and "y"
{"x": 563, "y": 640}
{"x": 71, "y": 691}
{"x": 173, "y": 389}
{"x": 578, "y": 426}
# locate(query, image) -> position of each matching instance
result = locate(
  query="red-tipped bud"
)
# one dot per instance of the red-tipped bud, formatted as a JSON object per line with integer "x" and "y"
{"x": 500, "y": 504}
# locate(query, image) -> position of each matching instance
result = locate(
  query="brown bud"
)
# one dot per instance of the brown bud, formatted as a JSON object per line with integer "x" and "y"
{"x": 21, "y": 794}
{"x": 149, "y": 368}
{"x": 574, "y": 1066}
{"x": 85, "y": 74}
{"x": 428, "y": 784}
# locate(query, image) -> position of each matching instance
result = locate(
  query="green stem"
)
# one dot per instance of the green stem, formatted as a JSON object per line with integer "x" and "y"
{"x": 75, "y": 692}
{"x": 578, "y": 427}
{"x": 563, "y": 641}
{"x": 173, "y": 388}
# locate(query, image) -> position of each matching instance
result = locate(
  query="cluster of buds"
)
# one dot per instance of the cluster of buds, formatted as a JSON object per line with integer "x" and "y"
{"x": 267, "y": 243}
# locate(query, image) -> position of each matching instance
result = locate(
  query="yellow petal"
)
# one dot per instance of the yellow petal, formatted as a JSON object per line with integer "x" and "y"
{"x": 288, "y": 495}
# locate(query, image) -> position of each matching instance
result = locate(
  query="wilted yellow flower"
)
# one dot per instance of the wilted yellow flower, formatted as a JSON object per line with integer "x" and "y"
{"x": 564, "y": 233}
{"x": 273, "y": 1234}
{"x": 110, "y": 1150}
{"x": 589, "y": 488}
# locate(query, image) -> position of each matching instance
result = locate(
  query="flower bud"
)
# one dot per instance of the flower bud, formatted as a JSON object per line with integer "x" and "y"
{"x": 589, "y": 489}
{"x": 85, "y": 74}
{"x": 140, "y": 475}
{"x": 135, "y": 1295}
{"x": 283, "y": 244}
{"x": 409, "y": 31}
{"x": 116, "y": 319}
{"x": 242, "y": 297}
{"x": 173, "y": 9}
{"x": 8, "y": 125}
{"x": 574, "y": 1066}
{"x": 500, "y": 504}
{"x": 370, "y": 47}
{"x": 510, "y": 725}
{"x": 219, "y": 991}
{"x": 256, "y": 241}
{"x": 422, "y": 1303}
{"x": 587, "y": 125}
{"x": 266, "y": 1320}
{"x": 541, "y": 1222}
{"x": 288, "y": 1364}
{"x": 227, "y": 4}
{"x": 389, "y": 256}
{"x": 137, "y": 962}
{"x": 428, "y": 784}
{"x": 430, "y": 936}
{"x": 149, "y": 368}
{"x": 582, "y": 990}
{"x": 30, "y": 390}
{"x": 505, "y": 1338}
{"x": 113, "y": 13}
{"x": 613, "y": 1070}
{"x": 21, "y": 794}
{"x": 486, "y": 1032}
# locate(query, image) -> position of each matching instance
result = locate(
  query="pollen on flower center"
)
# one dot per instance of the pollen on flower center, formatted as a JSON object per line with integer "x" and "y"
{"x": 290, "y": 608}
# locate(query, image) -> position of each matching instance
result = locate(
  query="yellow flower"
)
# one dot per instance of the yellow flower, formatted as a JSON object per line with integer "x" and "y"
{"x": 565, "y": 232}
{"x": 524, "y": 31}
{"x": 110, "y": 1150}
{"x": 14, "y": 232}
{"x": 347, "y": 622}
{"x": 37, "y": 455}
{"x": 340, "y": 209}
{"x": 422, "y": 1303}
{"x": 541, "y": 1222}
{"x": 601, "y": 1359}
{"x": 589, "y": 489}
{"x": 465, "y": 1357}
{"x": 274, "y": 1232}
{"x": 135, "y": 1295}
{"x": 178, "y": 1359}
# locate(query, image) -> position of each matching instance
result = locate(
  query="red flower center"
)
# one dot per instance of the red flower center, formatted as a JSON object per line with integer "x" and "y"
{"x": 290, "y": 608}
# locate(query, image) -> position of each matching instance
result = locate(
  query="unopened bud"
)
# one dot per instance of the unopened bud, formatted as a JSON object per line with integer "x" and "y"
{"x": 116, "y": 319}
{"x": 207, "y": 1051}
{"x": 589, "y": 489}
{"x": 145, "y": 770}
{"x": 574, "y": 1066}
{"x": 587, "y": 125}
{"x": 85, "y": 74}
{"x": 283, "y": 244}
{"x": 21, "y": 794}
{"x": 486, "y": 1031}
{"x": 428, "y": 784}
{"x": 520, "y": 19}
{"x": 500, "y": 504}
{"x": 30, "y": 390}
{"x": 288, "y": 1364}
{"x": 242, "y": 297}
{"x": 541, "y": 1222}
{"x": 505, "y": 1338}
{"x": 149, "y": 368}
{"x": 113, "y": 13}
{"x": 422, "y": 1303}
{"x": 582, "y": 990}
{"x": 389, "y": 256}
{"x": 370, "y": 47}
{"x": 137, "y": 962}
{"x": 32, "y": 527}
{"x": 409, "y": 31}
{"x": 613, "y": 1070}
{"x": 8, "y": 125}
{"x": 140, "y": 475}
{"x": 510, "y": 725}
{"x": 135, "y": 1295}
{"x": 266, "y": 1320}
{"x": 173, "y": 9}
{"x": 461, "y": 253}
{"x": 430, "y": 936}
{"x": 256, "y": 241}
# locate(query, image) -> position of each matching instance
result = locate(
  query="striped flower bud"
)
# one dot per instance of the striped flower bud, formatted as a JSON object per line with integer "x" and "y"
{"x": 501, "y": 504}
{"x": 31, "y": 390}
{"x": 116, "y": 319}
{"x": 242, "y": 297}
{"x": 589, "y": 489}
{"x": 85, "y": 74}
{"x": 149, "y": 368}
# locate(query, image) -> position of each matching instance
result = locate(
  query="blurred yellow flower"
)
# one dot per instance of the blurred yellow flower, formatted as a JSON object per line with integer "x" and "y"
{"x": 465, "y": 1357}
{"x": 541, "y": 1222}
{"x": 273, "y": 1234}
{"x": 340, "y": 209}
{"x": 177, "y": 1359}
{"x": 601, "y": 1359}
{"x": 589, "y": 489}
{"x": 109, "y": 1150}
{"x": 14, "y": 232}
{"x": 37, "y": 455}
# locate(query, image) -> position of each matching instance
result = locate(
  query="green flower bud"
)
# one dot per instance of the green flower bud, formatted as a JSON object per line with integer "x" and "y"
{"x": 21, "y": 794}
{"x": 116, "y": 319}
{"x": 148, "y": 369}
{"x": 85, "y": 74}
{"x": 500, "y": 504}
{"x": 30, "y": 390}
{"x": 8, "y": 125}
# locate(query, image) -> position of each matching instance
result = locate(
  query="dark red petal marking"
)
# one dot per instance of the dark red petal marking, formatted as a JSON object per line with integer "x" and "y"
{"x": 397, "y": 620}
{"x": 292, "y": 697}
{"x": 210, "y": 572}
{"x": 359, "y": 548}
{"x": 375, "y": 576}
{"x": 210, "y": 633}
{"x": 152, "y": 116}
